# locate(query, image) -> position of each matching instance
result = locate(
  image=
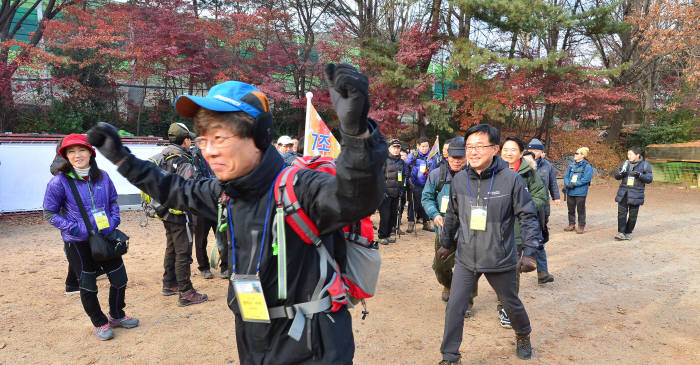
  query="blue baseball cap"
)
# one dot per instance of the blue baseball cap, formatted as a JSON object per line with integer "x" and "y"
{"x": 230, "y": 96}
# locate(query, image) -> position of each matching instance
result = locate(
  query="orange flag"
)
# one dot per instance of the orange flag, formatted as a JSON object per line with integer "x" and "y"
{"x": 318, "y": 139}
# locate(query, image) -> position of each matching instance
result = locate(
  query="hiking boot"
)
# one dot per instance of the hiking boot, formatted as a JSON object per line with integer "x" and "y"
{"x": 579, "y": 230}
{"x": 126, "y": 322}
{"x": 628, "y": 236}
{"x": 169, "y": 291}
{"x": 428, "y": 226}
{"x": 103, "y": 333}
{"x": 523, "y": 347}
{"x": 446, "y": 362}
{"x": 191, "y": 297}
{"x": 445, "y": 294}
{"x": 570, "y": 228}
{"x": 544, "y": 277}
{"x": 383, "y": 241}
{"x": 469, "y": 313}
{"x": 72, "y": 290}
{"x": 410, "y": 228}
{"x": 392, "y": 239}
{"x": 207, "y": 274}
{"x": 503, "y": 317}
{"x": 224, "y": 274}
{"x": 620, "y": 236}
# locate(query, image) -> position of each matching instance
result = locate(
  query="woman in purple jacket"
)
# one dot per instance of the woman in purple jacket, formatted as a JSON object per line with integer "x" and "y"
{"x": 99, "y": 197}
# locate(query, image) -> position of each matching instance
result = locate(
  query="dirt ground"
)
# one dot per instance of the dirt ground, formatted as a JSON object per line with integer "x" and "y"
{"x": 633, "y": 302}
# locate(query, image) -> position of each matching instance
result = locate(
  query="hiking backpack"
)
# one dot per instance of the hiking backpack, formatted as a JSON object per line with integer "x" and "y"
{"x": 151, "y": 207}
{"x": 357, "y": 280}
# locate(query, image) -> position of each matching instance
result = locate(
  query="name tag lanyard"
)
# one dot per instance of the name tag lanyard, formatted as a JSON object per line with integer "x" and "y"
{"x": 488, "y": 198}
{"x": 262, "y": 239}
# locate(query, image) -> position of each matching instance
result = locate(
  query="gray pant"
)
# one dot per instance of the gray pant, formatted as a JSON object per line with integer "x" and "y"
{"x": 503, "y": 283}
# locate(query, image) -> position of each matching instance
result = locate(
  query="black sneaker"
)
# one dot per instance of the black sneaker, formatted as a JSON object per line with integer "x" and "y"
{"x": 170, "y": 291}
{"x": 503, "y": 317}
{"x": 522, "y": 346}
{"x": 72, "y": 290}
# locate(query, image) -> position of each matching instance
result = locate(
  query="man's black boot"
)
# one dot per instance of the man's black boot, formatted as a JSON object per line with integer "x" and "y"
{"x": 523, "y": 347}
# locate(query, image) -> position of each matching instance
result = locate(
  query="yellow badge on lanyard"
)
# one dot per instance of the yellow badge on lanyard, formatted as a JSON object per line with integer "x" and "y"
{"x": 477, "y": 221}
{"x": 630, "y": 180}
{"x": 443, "y": 203}
{"x": 574, "y": 178}
{"x": 400, "y": 176}
{"x": 251, "y": 299}
{"x": 101, "y": 219}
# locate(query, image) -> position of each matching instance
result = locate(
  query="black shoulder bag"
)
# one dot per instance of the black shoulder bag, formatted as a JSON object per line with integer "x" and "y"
{"x": 103, "y": 248}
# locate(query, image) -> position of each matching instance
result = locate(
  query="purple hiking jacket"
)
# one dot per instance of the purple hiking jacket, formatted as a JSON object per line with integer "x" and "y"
{"x": 58, "y": 194}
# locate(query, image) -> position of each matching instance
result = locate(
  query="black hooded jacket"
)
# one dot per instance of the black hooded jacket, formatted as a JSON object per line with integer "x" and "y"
{"x": 330, "y": 201}
{"x": 492, "y": 250}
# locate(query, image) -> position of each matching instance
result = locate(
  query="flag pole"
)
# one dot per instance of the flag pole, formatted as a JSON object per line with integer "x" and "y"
{"x": 309, "y": 96}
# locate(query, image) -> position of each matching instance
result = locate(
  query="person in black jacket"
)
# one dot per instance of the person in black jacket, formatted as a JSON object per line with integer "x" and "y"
{"x": 635, "y": 173}
{"x": 485, "y": 200}
{"x": 395, "y": 174}
{"x": 179, "y": 224}
{"x": 235, "y": 129}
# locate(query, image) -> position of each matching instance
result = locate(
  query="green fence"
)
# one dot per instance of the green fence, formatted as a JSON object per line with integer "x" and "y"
{"x": 677, "y": 172}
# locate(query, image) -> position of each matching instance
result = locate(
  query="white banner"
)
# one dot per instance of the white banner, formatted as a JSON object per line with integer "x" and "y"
{"x": 24, "y": 173}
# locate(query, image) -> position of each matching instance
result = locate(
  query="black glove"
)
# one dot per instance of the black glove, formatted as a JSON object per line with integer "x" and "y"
{"x": 635, "y": 174}
{"x": 349, "y": 93}
{"x": 569, "y": 187}
{"x": 106, "y": 138}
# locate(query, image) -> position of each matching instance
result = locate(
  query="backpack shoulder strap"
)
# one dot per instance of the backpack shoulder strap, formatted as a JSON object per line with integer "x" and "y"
{"x": 294, "y": 215}
{"x": 443, "y": 179}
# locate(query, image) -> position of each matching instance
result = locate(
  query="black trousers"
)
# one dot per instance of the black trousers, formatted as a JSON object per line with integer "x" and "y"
{"x": 576, "y": 203}
{"x": 201, "y": 232}
{"x": 178, "y": 257}
{"x": 463, "y": 280}
{"x": 418, "y": 210}
{"x": 388, "y": 211}
{"x": 626, "y": 216}
{"x": 85, "y": 269}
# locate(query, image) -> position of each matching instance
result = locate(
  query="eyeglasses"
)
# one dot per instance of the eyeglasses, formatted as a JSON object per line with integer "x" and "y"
{"x": 577, "y": 153}
{"x": 217, "y": 141}
{"x": 478, "y": 148}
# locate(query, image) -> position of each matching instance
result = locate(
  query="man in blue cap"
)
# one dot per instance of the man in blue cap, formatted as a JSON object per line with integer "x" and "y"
{"x": 549, "y": 178}
{"x": 301, "y": 324}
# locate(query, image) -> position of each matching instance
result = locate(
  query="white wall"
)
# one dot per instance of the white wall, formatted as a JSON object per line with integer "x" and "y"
{"x": 24, "y": 173}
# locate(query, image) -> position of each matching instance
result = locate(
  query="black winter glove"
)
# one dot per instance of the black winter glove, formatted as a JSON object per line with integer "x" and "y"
{"x": 635, "y": 174}
{"x": 349, "y": 94}
{"x": 106, "y": 138}
{"x": 570, "y": 186}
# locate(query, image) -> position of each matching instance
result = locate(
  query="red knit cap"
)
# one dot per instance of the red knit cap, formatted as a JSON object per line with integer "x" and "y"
{"x": 75, "y": 140}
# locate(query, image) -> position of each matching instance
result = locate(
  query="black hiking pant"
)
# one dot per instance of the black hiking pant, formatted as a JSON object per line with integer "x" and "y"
{"x": 85, "y": 269}
{"x": 463, "y": 280}
{"x": 388, "y": 213}
{"x": 626, "y": 216}
{"x": 178, "y": 257}
{"x": 576, "y": 203}
{"x": 202, "y": 226}
{"x": 417, "y": 194}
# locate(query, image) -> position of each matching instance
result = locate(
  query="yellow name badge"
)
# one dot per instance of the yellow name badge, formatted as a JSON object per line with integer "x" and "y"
{"x": 443, "y": 203}
{"x": 630, "y": 181}
{"x": 574, "y": 178}
{"x": 101, "y": 219}
{"x": 251, "y": 299}
{"x": 421, "y": 168}
{"x": 477, "y": 222}
{"x": 400, "y": 176}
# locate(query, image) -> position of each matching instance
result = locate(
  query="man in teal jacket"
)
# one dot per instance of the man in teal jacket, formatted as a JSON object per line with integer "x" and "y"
{"x": 436, "y": 196}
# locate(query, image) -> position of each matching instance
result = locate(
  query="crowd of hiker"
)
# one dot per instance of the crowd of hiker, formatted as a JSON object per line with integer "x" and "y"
{"x": 293, "y": 237}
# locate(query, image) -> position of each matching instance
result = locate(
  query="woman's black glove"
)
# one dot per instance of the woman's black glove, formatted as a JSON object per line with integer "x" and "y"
{"x": 349, "y": 94}
{"x": 107, "y": 140}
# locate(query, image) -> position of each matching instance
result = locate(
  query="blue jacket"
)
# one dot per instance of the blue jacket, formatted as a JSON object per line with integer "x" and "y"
{"x": 415, "y": 160}
{"x": 584, "y": 173}
{"x": 59, "y": 195}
